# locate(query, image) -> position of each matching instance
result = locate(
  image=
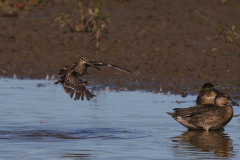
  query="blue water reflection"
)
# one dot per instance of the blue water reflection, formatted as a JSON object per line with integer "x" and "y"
{"x": 38, "y": 120}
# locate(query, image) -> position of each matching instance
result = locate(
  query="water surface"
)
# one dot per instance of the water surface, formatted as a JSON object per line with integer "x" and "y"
{"x": 38, "y": 120}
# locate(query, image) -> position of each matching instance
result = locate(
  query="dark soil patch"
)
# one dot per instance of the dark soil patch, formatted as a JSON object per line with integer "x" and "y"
{"x": 165, "y": 44}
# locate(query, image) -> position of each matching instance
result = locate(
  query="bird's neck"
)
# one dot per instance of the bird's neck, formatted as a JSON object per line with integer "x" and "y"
{"x": 80, "y": 64}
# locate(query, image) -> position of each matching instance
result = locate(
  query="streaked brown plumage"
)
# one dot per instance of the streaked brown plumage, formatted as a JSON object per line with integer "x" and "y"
{"x": 72, "y": 84}
{"x": 70, "y": 77}
{"x": 208, "y": 95}
{"x": 206, "y": 116}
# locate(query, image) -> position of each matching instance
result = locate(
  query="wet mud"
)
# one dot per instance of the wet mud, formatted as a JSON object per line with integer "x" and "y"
{"x": 165, "y": 44}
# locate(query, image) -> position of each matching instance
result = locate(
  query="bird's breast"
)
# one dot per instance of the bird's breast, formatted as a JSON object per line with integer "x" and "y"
{"x": 80, "y": 70}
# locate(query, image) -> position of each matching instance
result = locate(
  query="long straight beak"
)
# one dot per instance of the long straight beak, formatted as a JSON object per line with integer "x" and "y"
{"x": 93, "y": 65}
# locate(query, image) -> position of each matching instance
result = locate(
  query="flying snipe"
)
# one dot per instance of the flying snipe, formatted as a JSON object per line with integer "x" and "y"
{"x": 70, "y": 77}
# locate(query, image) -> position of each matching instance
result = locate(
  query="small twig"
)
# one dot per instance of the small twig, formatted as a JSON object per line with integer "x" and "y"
{"x": 231, "y": 19}
{"x": 236, "y": 115}
{"x": 211, "y": 87}
{"x": 225, "y": 55}
{"x": 217, "y": 27}
{"x": 233, "y": 10}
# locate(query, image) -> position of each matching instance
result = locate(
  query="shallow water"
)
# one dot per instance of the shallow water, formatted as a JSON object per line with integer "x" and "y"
{"x": 38, "y": 120}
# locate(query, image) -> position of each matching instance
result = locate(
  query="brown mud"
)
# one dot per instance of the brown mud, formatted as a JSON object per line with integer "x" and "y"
{"x": 165, "y": 44}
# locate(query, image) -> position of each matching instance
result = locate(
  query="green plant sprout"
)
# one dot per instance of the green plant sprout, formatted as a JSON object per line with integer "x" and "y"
{"x": 229, "y": 36}
{"x": 220, "y": 29}
{"x": 231, "y": 32}
{"x": 90, "y": 21}
{"x": 8, "y": 8}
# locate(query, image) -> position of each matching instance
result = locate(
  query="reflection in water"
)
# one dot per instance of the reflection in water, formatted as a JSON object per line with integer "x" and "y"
{"x": 113, "y": 125}
{"x": 216, "y": 142}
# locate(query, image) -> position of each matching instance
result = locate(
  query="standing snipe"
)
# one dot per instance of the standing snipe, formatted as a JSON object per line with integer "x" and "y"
{"x": 70, "y": 77}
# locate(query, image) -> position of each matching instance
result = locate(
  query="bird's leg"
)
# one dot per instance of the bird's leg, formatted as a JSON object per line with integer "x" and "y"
{"x": 61, "y": 80}
{"x": 89, "y": 83}
{"x": 57, "y": 82}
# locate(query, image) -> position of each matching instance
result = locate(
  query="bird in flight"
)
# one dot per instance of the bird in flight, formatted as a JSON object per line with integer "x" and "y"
{"x": 70, "y": 77}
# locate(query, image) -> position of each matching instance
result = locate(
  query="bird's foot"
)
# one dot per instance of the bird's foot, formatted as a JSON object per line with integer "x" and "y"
{"x": 89, "y": 83}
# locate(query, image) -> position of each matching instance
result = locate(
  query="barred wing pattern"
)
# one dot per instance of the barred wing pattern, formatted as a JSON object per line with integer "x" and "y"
{"x": 110, "y": 65}
{"x": 72, "y": 84}
{"x": 75, "y": 85}
{"x": 70, "y": 75}
{"x": 63, "y": 72}
{"x": 66, "y": 69}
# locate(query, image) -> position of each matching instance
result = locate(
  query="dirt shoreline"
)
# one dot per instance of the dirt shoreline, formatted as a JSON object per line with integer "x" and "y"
{"x": 165, "y": 44}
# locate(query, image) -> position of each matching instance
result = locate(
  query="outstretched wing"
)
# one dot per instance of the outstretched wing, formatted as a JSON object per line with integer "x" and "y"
{"x": 63, "y": 72}
{"x": 110, "y": 65}
{"x": 75, "y": 85}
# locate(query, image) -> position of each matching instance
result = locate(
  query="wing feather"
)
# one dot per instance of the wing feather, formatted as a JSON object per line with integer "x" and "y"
{"x": 74, "y": 85}
{"x": 196, "y": 110}
{"x": 110, "y": 65}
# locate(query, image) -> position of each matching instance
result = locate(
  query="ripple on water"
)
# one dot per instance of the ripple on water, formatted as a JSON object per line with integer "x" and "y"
{"x": 102, "y": 133}
{"x": 38, "y": 120}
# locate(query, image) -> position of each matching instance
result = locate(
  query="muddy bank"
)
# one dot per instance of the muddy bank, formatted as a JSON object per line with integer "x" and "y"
{"x": 164, "y": 43}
